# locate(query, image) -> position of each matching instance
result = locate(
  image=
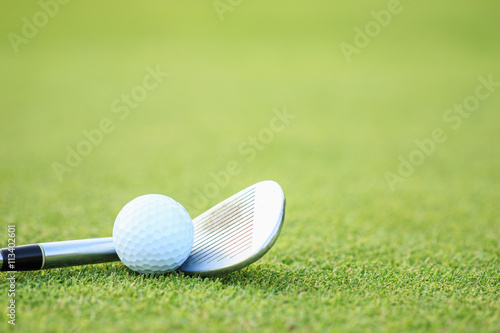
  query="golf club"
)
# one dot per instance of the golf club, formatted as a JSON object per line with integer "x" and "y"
{"x": 229, "y": 236}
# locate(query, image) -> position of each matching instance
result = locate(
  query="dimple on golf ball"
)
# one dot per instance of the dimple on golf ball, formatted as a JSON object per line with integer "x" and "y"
{"x": 153, "y": 234}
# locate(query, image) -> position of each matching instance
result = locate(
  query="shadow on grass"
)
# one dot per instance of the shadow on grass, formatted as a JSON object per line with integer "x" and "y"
{"x": 280, "y": 278}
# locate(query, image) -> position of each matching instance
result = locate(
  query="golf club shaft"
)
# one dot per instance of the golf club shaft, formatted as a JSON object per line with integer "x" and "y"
{"x": 58, "y": 254}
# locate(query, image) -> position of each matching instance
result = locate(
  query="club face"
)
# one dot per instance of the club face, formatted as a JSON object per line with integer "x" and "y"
{"x": 237, "y": 231}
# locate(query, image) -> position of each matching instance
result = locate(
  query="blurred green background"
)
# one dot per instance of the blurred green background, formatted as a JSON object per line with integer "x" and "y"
{"x": 352, "y": 122}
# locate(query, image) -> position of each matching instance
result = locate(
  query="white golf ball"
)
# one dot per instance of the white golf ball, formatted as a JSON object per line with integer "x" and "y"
{"x": 153, "y": 234}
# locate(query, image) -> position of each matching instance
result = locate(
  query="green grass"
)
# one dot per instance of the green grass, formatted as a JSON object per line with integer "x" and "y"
{"x": 353, "y": 255}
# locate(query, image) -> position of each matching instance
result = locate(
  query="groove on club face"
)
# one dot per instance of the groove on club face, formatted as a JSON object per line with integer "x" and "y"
{"x": 228, "y": 228}
{"x": 238, "y": 231}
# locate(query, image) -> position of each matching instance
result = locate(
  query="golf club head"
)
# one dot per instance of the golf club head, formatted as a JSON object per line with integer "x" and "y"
{"x": 238, "y": 231}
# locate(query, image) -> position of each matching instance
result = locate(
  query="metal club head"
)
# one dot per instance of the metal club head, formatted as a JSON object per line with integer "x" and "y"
{"x": 237, "y": 231}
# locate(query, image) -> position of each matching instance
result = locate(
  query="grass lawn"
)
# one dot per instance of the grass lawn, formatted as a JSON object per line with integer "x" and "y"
{"x": 389, "y": 158}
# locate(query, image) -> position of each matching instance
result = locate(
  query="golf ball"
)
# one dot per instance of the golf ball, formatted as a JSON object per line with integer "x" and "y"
{"x": 153, "y": 234}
